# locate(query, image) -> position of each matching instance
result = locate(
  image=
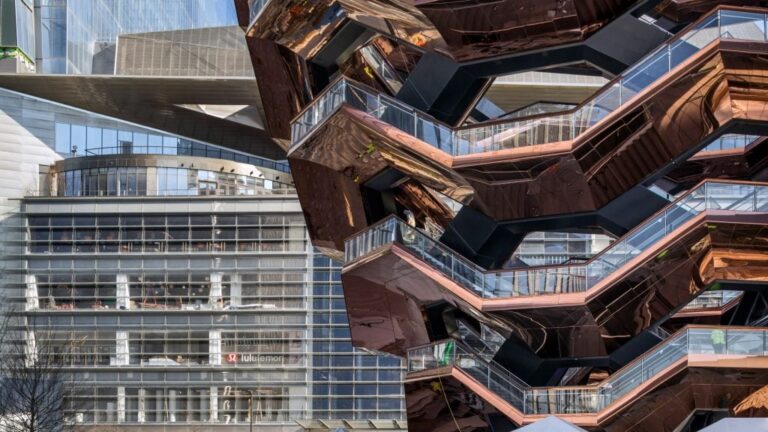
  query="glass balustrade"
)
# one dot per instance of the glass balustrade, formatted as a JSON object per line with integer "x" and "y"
{"x": 255, "y": 7}
{"x": 588, "y": 399}
{"x": 492, "y": 136}
{"x": 730, "y": 142}
{"x": 712, "y": 300}
{"x": 580, "y": 277}
{"x": 382, "y": 68}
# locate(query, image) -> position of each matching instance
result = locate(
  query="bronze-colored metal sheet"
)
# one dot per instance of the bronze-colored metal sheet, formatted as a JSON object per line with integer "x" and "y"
{"x": 682, "y": 10}
{"x": 385, "y": 300}
{"x": 464, "y": 30}
{"x": 658, "y": 405}
{"x": 722, "y": 85}
{"x": 719, "y": 87}
{"x": 350, "y": 148}
{"x": 743, "y": 163}
{"x": 711, "y": 247}
{"x": 282, "y": 81}
{"x": 474, "y": 30}
{"x": 443, "y": 403}
{"x": 306, "y": 27}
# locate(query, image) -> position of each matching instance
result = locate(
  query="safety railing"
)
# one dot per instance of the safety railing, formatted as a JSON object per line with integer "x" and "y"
{"x": 255, "y": 7}
{"x": 742, "y": 342}
{"x": 722, "y": 23}
{"x": 381, "y": 67}
{"x": 730, "y": 142}
{"x": 709, "y": 195}
{"x": 712, "y": 300}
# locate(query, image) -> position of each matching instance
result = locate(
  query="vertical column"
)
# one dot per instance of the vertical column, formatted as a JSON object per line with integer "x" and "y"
{"x": 214, "y": 347}
{"x": 161, "y": 407}
{"x": 121, "y": 352}
{"x": 30, "y": 348}
{"x": 123, "y": 298}
{"x": 33, "y": 302}
{"x": 121, "y": 404}
{"x": 236, "y": 290}
{"x": 142, "y": 417}
{"x": 172, "y": 406}
{"x": 214, "y": 405}
{"x": 214, "y": 298}
{"x": 297, "y": 403}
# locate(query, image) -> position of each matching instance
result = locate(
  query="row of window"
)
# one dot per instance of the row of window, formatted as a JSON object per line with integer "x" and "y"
{"x": 163, "y": 234}
{"x": 162, "y": 220}
{"x": 161, "y": 349}
{"x": 222, "y": 319}
{"x": 133, "y": 181}
{"x": 220, "y": 262}
{"x": 81, "y": 140}
{"x": 227, "y": 405}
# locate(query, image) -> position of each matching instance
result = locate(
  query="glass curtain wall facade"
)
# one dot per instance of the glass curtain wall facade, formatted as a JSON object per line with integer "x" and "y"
{"x": 91, "y": 28}
{"x": 183, "y": 334}
{"x": 17, "y": 36}
{"x": 195, "y": 310}
{"x": 347, "y": 383}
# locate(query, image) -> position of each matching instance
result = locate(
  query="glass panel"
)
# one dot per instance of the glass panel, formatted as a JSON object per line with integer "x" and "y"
{"x": 742, "y": 25}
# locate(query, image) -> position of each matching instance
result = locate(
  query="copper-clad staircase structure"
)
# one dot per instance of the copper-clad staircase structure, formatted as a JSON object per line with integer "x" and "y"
{"x": 425, "y": 201}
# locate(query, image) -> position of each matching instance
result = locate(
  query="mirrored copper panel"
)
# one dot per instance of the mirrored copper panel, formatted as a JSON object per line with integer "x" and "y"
{"x": 682, "y": 10}
{"x": 662, "y": 406}
{"x": 282, "y": 81}
{"x": 741, "y": 163}
{"x": 443, "y": 403}
{"x": 385, "y": 298}
{"x": 305, "y": 27}
{"x": 647, "y": 293}
{"x": 349, "y": 149}
{"x": 474, "y": 30}
{"x": 667, "y": 121}
{"x": 715, "y": 89}
{"x": 713, "y": 247}
{"x": 698, "y": 388}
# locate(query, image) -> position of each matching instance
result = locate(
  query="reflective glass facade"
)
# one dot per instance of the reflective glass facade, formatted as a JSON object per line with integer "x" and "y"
{"x": 92, "y": 26}
{"x": 161, "y": 181}
{"x": 180, "y": 337}
{"x": 195, "y": 309}
{"x": 83, "y": 139}
{"x": 347, "y": 383}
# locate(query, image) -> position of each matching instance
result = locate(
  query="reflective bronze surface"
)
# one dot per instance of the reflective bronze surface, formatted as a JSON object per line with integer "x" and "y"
{"x": 720, "y": 86}
{"x": 282, "y": 84}
{"x": 385, "y": 298}
{"x": 473, "y": 30}
{"x": 463, "y": 30}
{"x": 660, "y": 404}
{"x": 443, "y": 403}
{"x": 712, "y": 247}
{"x": 306, "y": 27}
{"x": 743, "y": 163}
{"x": 681, "y": 10}
{"x": 349, "y": 149}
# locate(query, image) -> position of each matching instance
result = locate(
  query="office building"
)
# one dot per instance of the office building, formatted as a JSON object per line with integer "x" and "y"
{"x": 194, "y": 267}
